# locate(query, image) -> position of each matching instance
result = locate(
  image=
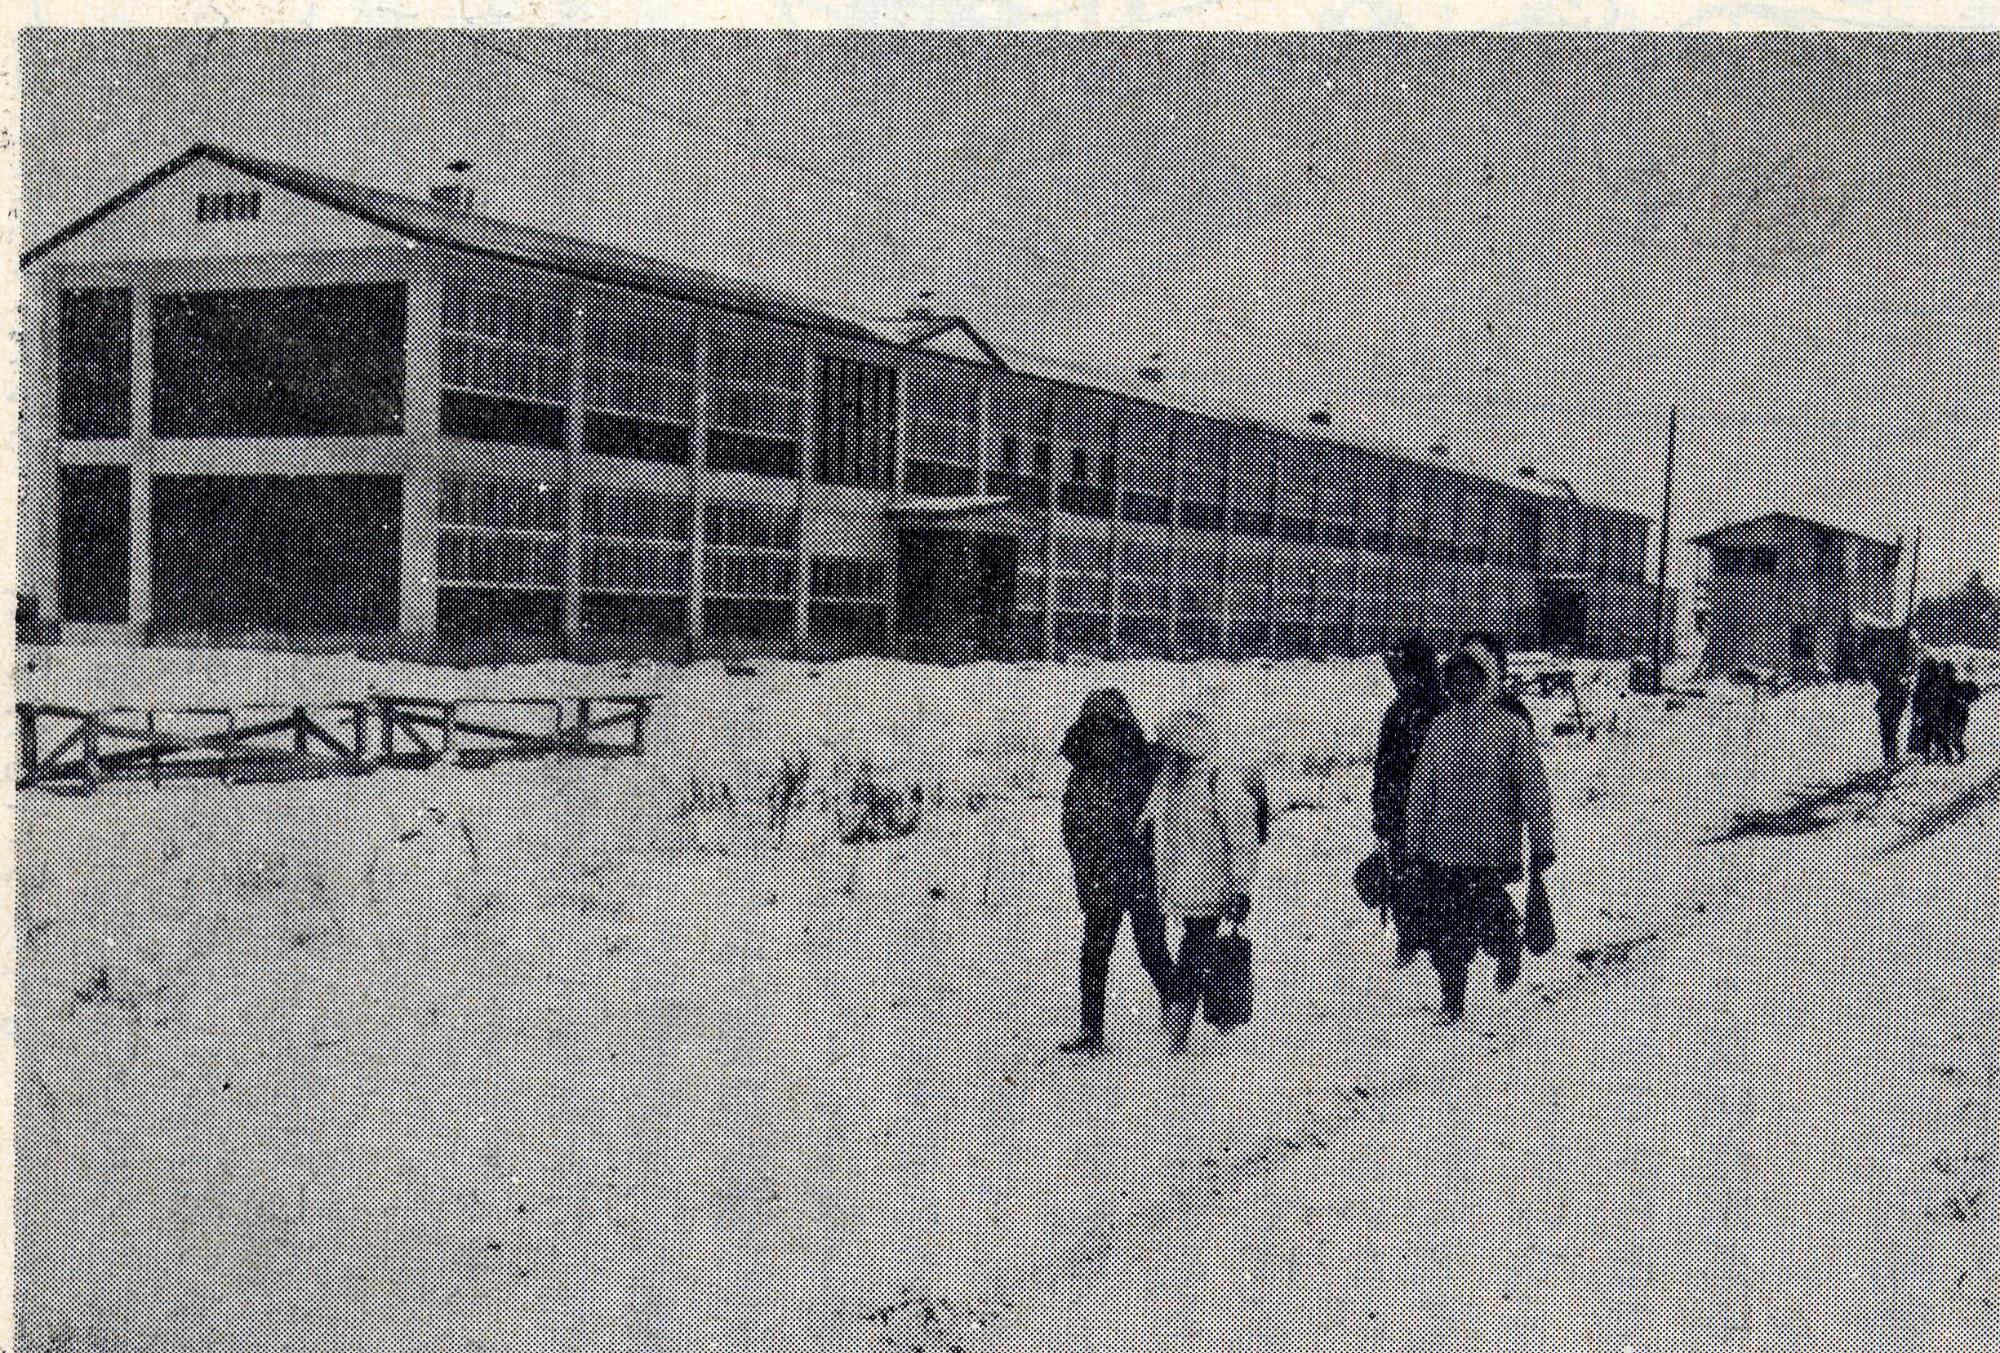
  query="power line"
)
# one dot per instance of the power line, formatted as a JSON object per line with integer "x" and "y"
{"x": 798, "y": 166}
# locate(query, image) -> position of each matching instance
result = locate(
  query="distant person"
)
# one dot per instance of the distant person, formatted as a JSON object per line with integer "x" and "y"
{"x": 1419, "y": 699}
{"x": 1927, "y": 712}
{"x": 1955, "y": 709}
{"x": 1479, "y": 783}
{"x": 1208, "y": 816}
{"x": 1503, "y": 695}
{"x": 1892, "y": 697}
{"x": 1112, "y": 769}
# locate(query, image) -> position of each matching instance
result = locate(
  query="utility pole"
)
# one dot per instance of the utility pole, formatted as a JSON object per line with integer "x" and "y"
{"x": 1666, "y": 510}
{"x": 1909, "y": 613}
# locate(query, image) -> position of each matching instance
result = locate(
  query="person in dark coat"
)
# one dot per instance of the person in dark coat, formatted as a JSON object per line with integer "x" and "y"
{"x": 1412, "y": 668}
{"x": 1892, "y": 697}
{"x": 1955, "y": 710}
{"x": 1927, "y": 711}
{"x": 1496, "y": 647}
{"x": 1112, "y": 769}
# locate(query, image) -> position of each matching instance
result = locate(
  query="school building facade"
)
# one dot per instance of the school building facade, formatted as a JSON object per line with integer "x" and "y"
{"x": 266, "y": 406}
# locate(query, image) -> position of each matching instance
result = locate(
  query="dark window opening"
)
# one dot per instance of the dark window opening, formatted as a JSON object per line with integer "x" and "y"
{"x": 306, "y": 553}
{"x": 1085, "y": 501}
{"x": 746, "y": 453}
{"x": 94, "y": 535}
{"x": 746, "y": 618}
{"x": 607, "y": 434}
{"x": 1146, "y": 508}
{"x": 466, "y": 612}
{"x": 663, "y": 618}
{"x": 1202, "y": 516}
{"x": 489, "y": 418}
{"x": 931, "y": 477}
{"x": 94, "y": 363}
{"x": 298, "y": 362}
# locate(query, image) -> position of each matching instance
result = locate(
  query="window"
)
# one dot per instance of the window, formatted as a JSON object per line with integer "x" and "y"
{"x": 944, "y": 432}
{"x": 94, "y": 540}
{"x": 857, "y": 424}
{"x": 301, "y": 361}
{"x": 1146, "y": 454}
{"x": 635, "y": 515}
{"x": 296, "y": 553}
{"x": 1085, "y": 428}
{"x": 638, "y": 379}
{"x": 505, "y": 366}
{"x": 1250, "y": 482}
{"x": 94, "y": 363}
{"x": 848, "y": 579}
{"x": 228, "y": 206}
{"x": 1021, "y": 423}
{"x": 502, "y": 533}
{"x": 1746, "y": 561}
{"x": 756, "y": 401}
{"x": 1204, "y": 464}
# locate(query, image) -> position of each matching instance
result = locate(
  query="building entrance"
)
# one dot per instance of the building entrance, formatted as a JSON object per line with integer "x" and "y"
{"x": 1563, "y": 618}
{"x": 955, "y": 594}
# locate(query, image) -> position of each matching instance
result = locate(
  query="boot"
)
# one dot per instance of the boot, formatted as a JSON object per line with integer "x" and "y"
{"x": 1177, "y": 1018}
{"x": 1451, "y": 990}
{"x": 1509, "y": 971}
{"x": 1085, "y": 1044}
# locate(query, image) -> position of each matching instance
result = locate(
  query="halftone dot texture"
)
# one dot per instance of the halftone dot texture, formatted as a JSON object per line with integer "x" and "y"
{"x": 627, "y": 1053}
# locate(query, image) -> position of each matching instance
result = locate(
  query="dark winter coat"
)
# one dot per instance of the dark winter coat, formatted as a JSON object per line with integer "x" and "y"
{"x": 1892, "y": 695}
{"x": 1112, "y": 769}
{"x": 1396, "y": 754}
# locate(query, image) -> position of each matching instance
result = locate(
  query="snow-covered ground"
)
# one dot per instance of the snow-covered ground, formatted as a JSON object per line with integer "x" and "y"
{"x": 579, "y": 1054}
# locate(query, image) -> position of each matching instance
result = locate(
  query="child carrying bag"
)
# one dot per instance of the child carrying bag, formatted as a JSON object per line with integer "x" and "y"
{"x": 1225, "y": 997}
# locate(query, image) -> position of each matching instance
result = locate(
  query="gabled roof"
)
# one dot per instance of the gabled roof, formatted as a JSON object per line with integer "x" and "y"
{"x": 455, "y": 228}
{"x": 467, "y": 232}
{"x": 1710, "y": 536}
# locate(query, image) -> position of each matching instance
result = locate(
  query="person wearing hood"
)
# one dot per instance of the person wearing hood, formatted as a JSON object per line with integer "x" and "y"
{"x": 1496, "y": 648}
{"x": 1479, "y": 782}
{"x": 1413, "y": 670}
{"x": 1925, "y": 711}
{"x": 1112, "y": 769}
{"x": 1207, "y": 817}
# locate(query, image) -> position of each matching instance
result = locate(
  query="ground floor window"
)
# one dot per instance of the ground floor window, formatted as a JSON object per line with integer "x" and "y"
{"x": 296, "y": 553}
{"x": 94, "y": 535}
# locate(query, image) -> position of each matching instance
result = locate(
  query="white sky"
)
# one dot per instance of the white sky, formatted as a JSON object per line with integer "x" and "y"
{"x": 1793, "y": 239}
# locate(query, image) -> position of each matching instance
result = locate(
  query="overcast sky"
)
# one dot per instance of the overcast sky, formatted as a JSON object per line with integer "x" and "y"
{"x": 1524, "y": 247}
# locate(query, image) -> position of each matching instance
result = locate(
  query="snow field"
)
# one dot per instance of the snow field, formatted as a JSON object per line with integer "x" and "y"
{"x": 574, "y": 1051}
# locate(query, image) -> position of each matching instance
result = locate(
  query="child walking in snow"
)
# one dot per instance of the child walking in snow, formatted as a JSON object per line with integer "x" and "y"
{"x": 1112, "y": 769}
{"x": 1206, "y": 816}
{"x": 1479, "y": 782}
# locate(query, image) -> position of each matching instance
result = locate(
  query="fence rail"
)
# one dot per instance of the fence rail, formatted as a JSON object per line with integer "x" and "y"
{"x": 74, "y": 750}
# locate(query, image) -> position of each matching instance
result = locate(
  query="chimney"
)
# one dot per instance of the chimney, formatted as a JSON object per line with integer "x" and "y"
{"x": 456, "y": 192}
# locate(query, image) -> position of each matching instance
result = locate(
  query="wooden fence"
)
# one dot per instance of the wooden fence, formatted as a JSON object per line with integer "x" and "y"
{"x": 74, "y": 750}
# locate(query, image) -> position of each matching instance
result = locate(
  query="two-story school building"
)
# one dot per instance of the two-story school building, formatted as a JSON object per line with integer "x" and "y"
{"x": 266, "y": 406}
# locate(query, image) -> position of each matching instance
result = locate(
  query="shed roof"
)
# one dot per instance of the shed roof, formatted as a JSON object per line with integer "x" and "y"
{"x": 1714, "y": 537}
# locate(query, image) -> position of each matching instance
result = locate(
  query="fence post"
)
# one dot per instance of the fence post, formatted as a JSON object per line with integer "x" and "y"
{"x": 31, "y": 745}
{"x": 91, "y": 770}
{"x": 641, "y": 711}
{"x": 299, "y": 730}
{"x": 153, "y": 735}
{"x": 448, "y": 738}
{"x": 582, "y": 725}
